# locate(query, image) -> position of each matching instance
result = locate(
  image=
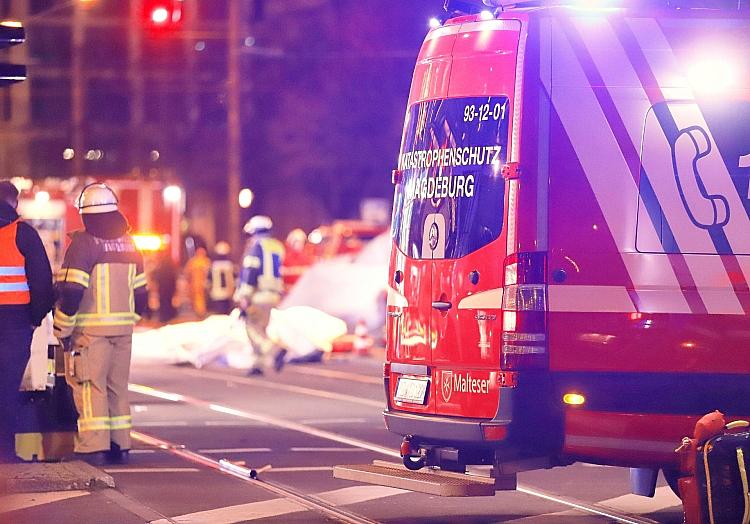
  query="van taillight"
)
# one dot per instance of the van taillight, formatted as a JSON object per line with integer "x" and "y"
{"x": 525, "y": 311}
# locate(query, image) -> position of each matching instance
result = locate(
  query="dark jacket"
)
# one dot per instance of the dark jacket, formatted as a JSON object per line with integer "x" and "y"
{"x": 38, "y": 273}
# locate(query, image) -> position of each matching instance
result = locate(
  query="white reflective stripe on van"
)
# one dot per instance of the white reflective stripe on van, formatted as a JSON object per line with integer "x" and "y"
{"x": 442, "y": 31}
{"x": 12, "y": 271}
{"x": 16, "y": 286}
{"x": 584, "y": 299}
{"x": 490, "y": 299}
{"x": 491, "y": 25}
{"x": 650, "y": 446}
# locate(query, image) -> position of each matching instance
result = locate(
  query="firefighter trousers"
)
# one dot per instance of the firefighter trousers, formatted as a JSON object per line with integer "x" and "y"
{"x": 263, "y": 348}
{"x": 97, "y": 370}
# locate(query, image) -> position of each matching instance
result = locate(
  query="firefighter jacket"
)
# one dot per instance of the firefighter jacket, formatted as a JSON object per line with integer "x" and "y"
{"x": 101, "y": 285}
{"x": 26, "y": 293}
{"x": 260, "y": 278}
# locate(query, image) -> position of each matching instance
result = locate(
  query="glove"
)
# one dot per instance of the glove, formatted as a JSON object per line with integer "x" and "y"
{"x": 66, "y": 344}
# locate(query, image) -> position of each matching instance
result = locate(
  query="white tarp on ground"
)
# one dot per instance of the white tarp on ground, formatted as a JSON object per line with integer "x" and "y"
{"x": 196, "y": 343}
{"x": 223, "y": 339}
{"x": 349, "y": 288}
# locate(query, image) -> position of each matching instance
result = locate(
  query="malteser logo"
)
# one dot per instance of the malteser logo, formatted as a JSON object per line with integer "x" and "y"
{"x": 447, "y": 385}
{"x": 462, "y": 383}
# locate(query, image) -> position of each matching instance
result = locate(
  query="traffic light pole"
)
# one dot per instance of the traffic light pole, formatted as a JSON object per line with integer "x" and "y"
{"x": 234, "y": 125}
{"x": 78, "y": 86}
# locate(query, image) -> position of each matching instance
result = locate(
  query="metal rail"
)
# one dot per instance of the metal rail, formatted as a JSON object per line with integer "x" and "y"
{"x": 250, "y": 475}
{"x": 571, "y": 503}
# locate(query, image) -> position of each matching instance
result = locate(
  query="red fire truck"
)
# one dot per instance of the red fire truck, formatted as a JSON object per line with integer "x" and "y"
{"x": 153, "y": 208}
{"x": 571, "y": 237}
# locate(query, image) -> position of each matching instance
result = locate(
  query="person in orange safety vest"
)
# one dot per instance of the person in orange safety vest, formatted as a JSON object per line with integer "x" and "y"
{"x": 26, "y": 296}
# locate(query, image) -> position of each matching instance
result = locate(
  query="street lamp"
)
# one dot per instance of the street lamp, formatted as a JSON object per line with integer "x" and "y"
{"x": 245, "y": 198}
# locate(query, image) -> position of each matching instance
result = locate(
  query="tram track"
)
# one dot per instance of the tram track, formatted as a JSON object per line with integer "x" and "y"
{"x": 250, "y": 476}
{"x": 568, "y": 502}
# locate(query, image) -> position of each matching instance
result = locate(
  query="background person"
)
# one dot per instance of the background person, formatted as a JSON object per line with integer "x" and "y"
{"x": 196, "y": 272}
{"x": 221, "y": 279}
{"x": 101, "y": 295}
{"x": 26, "y": 296}
{"x": 260, "y": 290}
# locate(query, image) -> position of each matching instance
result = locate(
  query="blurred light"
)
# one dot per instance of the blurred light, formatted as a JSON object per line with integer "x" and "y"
{"x": 200, "y": 46}
{"x": 155, "y": 155}
{"x": 249, "y": 41}
{"x": 636, "y": 316}
{"x": 94, "y": 154}
{"x": 172, "y": 194}
{"x": 714, "y": 73}
{"x": 42, "y": 197}
{"x": 11, "y": 23}
{"x": 315, "y": 237}
{"x": 434, "y": 23}
{"x": 486, "y": 15}
{"x": 574, "y": 399}
{"x": 160, "y": 15}
{"x": 21, "y": 183}
{"x": 147, "y": 242}
{"x": 68, "y": 154}
{"x": 246, "y": 198}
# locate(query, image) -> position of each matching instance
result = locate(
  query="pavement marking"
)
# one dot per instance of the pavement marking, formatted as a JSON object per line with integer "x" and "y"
{"x": 240, "y": 513}
{"x": 321, "y": 421}
{"x": 231, "y": 424}
{"x": 21, "y": 501}
{"x": 163, "y": 424}
{"x": 663, "y": 498}
{"x": 299, "y": 469}
{"x": 152, "y": 470}
{"x": 141, "y": 451}
{"x": 279, "y": 507}
{"x": 331, "y": 450}
{"x": 267, "y": 419}
{"x": 234, "y": 450}
{"x": 330, "y": 373}
{"x": 280, "y": 387}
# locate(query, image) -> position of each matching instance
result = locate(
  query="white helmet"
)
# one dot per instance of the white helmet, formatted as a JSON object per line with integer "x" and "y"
{"x": 258, "y": 224}
{"x": 96, "y": 198}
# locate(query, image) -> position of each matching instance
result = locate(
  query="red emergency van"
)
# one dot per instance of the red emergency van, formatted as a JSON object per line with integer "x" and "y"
{"x": 571, "y": 236}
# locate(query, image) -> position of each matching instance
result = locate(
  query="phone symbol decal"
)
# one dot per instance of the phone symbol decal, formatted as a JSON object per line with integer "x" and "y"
{"x": 705, "y": 210}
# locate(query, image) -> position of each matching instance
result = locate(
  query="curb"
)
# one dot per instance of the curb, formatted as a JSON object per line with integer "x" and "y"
{"x": 41, "y": 477}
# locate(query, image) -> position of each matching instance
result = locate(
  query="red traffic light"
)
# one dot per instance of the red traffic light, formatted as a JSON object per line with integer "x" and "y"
{"x": 162, "y": 14}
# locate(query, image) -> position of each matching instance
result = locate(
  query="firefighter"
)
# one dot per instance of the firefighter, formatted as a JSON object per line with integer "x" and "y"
{"x": 260, "y": 290}
{"x": 221, "y": 279}
{"x": 26, "y": 296}
{"x": 101, "y": 295}
{"x": 196, "y": 272}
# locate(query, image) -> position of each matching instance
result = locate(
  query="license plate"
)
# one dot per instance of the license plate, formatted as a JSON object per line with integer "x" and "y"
{"x": 412, "y": 390}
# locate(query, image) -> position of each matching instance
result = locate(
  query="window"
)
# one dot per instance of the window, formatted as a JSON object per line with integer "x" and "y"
{"x": 450, "y": 199}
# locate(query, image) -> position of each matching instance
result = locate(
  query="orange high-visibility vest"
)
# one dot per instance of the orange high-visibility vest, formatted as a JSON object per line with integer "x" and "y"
{"x": 14, "y": 288}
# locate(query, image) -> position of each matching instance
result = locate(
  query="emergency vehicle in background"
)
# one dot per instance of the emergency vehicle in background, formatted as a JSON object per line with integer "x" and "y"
{"x": 340, "y": 237}
{"x": 154, "y": 209}
{"x": 571, "y": 237}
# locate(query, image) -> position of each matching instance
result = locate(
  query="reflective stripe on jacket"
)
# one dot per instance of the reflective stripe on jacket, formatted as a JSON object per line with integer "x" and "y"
{"x": 14, "y": 286}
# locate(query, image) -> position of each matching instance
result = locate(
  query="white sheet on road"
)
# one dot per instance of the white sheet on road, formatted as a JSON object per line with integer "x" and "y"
{"x": 223, "y": 338}
{"x": 196, "y": 343}
{"x": 349, "y": 288}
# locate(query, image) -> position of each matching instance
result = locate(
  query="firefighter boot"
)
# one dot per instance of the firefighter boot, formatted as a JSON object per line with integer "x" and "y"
{"x": 117, "y": 455}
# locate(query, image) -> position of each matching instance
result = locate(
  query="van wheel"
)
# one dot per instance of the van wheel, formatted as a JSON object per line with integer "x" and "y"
{"x": 672, "y": 476}
{"x": 414, "y": 462}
